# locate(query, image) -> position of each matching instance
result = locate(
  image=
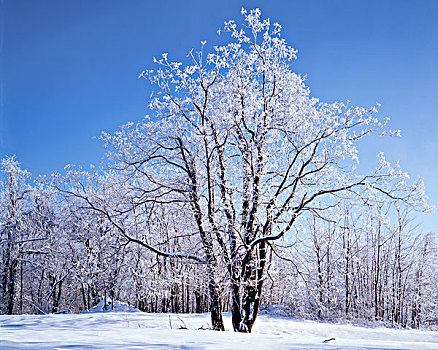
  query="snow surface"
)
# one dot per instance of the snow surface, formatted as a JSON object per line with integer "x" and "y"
{"x": 112, "y": 306}
{"x": 121, "y": 330}
{"x": 276, "y": 310}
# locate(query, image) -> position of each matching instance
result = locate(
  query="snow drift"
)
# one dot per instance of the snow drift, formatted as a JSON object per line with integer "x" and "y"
{"x": 108, "y": 305}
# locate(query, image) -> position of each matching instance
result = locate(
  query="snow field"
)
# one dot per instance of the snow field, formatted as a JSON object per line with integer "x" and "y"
{"x": 111, "y": 330}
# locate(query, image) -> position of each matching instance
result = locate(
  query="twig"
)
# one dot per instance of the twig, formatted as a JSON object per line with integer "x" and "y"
{"x": 327, "y": 340}
{"x": 182, "y": 327}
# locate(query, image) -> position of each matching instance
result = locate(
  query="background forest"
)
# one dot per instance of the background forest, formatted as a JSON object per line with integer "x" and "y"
{"x": 58, "y": 256}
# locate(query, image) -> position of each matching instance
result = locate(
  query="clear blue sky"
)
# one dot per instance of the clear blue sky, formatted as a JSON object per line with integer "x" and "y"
{"x": 69, "y": 69}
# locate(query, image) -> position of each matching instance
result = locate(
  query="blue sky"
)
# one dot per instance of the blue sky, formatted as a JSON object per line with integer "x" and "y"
{"x": 69, "y": 69}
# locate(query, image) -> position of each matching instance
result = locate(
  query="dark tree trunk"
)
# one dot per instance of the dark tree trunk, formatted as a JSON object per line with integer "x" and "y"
{"x": 11, "y": 287}
{"x": 245, "y": 311}
{"x": 8, "y": 273}
{"x": 198, "y": 301}
{"x": 235, "y": 306}
{"x": 84, "y": 298}
{"x": 57, "y": 298}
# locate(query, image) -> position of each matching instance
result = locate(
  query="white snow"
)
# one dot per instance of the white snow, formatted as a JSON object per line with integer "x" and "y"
{"x": 120, "y": 330}
{"x": 112, "y": 306}
{"x": 276, "y": 310}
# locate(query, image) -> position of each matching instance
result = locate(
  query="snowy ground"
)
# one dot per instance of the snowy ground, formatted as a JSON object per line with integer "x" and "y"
{"x": 138, "y": 330}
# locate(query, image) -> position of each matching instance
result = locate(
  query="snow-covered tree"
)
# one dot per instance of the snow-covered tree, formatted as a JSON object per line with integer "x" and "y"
{"x": 238, "y": 141}
{"x": 14, "y": 236}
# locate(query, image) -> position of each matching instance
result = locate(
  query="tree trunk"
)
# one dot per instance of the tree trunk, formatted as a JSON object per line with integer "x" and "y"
{"x": 11, "y": 287}
{"x": 215, "y": 302}
{"x": 244, "y": 313}
{"x": 236, "y": 316}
